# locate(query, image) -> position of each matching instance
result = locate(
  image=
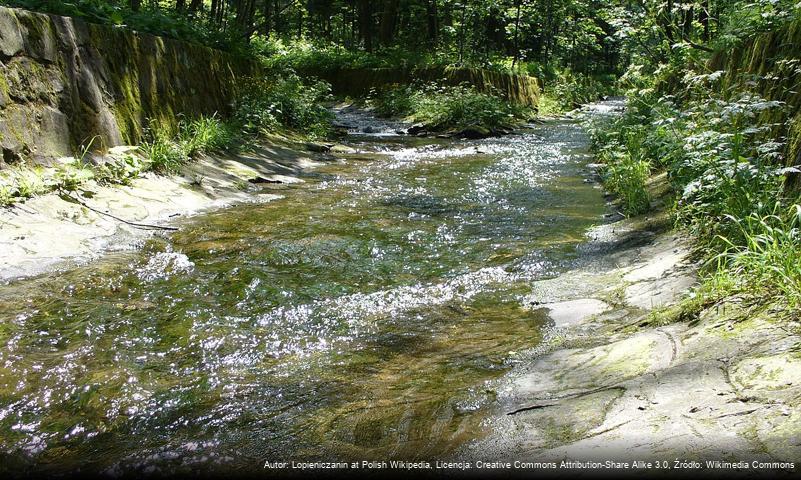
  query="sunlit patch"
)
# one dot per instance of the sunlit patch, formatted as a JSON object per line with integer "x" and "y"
{"x": 163, "y": 265}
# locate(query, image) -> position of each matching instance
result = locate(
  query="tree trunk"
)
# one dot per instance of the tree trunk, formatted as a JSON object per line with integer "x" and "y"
{"x": 432, "y": 21}
{"x": 366, "y": 24}
{"x": 267, "y": 13}
{"x": 180, "y": 5}
{"x": 389, "y": 18}
{"x": 703, "y": 19}
{"x": 689, "y": 14}
{"x": 462, "y": 32}
{"x": 667, "y": 22}
{"x": 517, "y": 35}
{"x": 135, "y": 5}
{"x": 195, "y": 6}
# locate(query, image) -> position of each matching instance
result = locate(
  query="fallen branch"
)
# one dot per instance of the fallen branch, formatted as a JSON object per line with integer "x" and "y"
{"x": 145, "y": 226}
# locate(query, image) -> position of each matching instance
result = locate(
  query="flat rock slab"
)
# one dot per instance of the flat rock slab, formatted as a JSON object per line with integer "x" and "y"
{"x": 656, "y": 293}
{"x": 47, "y": 231}
{"x": 573, "y": 312}
{"x": 726, "y": 386}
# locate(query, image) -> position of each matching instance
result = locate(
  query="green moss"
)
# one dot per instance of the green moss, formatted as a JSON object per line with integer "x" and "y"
{"x": 3, "y": 84}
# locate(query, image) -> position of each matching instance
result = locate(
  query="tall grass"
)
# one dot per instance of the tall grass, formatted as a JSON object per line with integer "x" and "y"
{"x": 768, "y": 258}
{"x": 626, "y": 177}
{"x": 167, "y": 151}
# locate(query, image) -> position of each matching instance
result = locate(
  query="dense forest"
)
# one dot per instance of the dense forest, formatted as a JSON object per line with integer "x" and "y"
{"x": 533, "y": 35}
{"x": 576, "y": 48}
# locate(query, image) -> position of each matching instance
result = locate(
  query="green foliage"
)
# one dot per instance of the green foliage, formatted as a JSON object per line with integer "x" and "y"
{"x": 265, "y": 105}
{"x": 720, "y": 157}
{"x": 746, "y": 18}
{"x": 626, "y": 177}
{"x": 150, "y": 19}
{"x": 446, "y": 108}
{"x": 290, "y": 55}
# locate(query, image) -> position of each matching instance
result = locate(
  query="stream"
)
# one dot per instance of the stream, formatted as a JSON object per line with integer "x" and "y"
{"x": 359, "y": 317}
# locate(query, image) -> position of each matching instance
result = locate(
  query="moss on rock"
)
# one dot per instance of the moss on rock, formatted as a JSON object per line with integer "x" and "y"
{"x": 105, "y": 82}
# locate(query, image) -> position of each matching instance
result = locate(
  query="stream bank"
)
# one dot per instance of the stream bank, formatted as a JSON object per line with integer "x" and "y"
{"x": 61, "y": 230}
{"x": 613, "y": 381}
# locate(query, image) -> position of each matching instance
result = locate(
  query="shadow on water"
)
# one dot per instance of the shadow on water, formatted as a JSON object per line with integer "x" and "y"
{"x": 359, "y": 317}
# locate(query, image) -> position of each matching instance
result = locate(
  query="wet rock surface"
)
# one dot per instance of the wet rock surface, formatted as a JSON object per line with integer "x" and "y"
{"x": 52, "y": 230}
{"x": 610, "y": 386}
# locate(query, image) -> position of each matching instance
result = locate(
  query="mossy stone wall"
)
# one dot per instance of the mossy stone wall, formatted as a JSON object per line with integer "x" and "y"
{"x": 65, "y": 83}
{"x": 770, "y": 65}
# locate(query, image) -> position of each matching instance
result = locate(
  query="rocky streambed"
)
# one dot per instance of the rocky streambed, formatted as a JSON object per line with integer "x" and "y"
{"x": 400, "y": 298}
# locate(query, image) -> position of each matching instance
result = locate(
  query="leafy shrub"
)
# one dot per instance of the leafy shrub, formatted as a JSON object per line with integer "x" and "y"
{"x": 69, "y": 176}
{"x": 393, "y": 101}
{"x": 20, "y": 183}
{"x": 266, "y": 104}
{"x": 120, "y": 169}
{"x": 728, "y": 172}
{"x": 30, "y": 182}
{"x": 444, "y": 108}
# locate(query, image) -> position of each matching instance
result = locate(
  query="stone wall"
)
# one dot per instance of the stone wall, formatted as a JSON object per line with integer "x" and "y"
{"x": 359, "y": 81}
{"x": 64, "y": 82}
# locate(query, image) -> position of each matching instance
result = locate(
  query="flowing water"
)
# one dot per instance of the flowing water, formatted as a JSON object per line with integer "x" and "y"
{"x": 359, "y": 317}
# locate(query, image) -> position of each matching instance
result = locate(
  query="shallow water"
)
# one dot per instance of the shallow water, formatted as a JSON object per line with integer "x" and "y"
{"x": 359, "y": 317}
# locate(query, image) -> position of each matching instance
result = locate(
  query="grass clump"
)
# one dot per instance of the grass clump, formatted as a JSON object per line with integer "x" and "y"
{"x": 767, "y": 259}
{"x": 626, "y": 177}
{"x": 166, "y": 151}
{"x": 442, "y": 108}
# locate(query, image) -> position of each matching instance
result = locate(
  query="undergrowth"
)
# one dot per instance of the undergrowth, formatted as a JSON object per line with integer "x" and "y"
{"x": 442, "y": 108}
{"x": 727, "y": 168}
